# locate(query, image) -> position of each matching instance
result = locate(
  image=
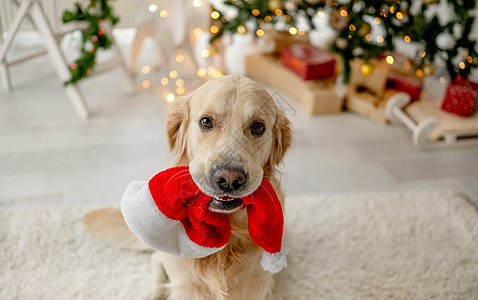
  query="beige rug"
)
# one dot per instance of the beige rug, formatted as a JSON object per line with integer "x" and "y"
{"x": 410, "y": 245}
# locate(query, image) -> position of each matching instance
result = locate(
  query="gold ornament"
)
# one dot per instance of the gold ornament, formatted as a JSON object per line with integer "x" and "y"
{"x": 429, "y": 70}
{"x": 429, "y": 2}
{"x": 275, "y": 4}
{"x": 364, "y": 29}
{"x": 242, "y": 29}
{"x": 366, "y": 69}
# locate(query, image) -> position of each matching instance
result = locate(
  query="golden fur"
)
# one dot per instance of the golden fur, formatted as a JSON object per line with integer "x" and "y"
{"x": 234, "y": 272}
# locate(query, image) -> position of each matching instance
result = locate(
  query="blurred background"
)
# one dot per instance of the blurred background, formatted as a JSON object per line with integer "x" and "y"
{"x": 382, "y": 94}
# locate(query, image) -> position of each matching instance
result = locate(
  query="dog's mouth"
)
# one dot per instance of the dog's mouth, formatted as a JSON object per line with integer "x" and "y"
{"x": 225, "y": 204}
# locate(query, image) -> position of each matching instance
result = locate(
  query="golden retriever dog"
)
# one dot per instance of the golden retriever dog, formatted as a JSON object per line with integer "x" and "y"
{"x": 231, "y": 133}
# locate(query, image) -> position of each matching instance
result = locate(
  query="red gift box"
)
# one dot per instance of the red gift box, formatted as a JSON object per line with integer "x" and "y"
{"x": 308, "y": 62}
{"x": 461, "y": 97}
{"x": 407, "y": 84}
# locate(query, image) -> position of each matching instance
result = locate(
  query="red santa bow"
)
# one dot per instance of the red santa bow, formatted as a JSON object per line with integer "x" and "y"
{"x": 178, "y": 197}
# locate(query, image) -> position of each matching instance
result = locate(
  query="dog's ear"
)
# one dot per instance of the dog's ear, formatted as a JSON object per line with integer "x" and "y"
{"x": 281, "y": 139}
{"x": 177, "y": 123}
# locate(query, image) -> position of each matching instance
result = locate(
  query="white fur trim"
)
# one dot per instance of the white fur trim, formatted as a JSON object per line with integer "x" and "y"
{"x": 275, "y": 262}
{"x": 153, "y": 228}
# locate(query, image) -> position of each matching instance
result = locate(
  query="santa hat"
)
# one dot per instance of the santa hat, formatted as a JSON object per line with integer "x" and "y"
{"x": 171, "y": 214}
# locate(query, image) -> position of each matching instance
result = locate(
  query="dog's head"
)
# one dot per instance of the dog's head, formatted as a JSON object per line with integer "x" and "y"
{"x": 231, "y": 133}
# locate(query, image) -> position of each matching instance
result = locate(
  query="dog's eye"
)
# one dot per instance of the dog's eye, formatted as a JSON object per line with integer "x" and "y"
{"x": 206, "y": 123}
{"x": 258, "y": 128}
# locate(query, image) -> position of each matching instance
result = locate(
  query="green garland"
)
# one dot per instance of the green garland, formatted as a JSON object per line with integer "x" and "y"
{"x": 353, "y": 17}
{"x": 93, "y": 38}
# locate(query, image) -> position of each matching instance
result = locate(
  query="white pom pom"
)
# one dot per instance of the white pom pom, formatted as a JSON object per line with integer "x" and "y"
{"x": 445, "y": 41}
{"x": 274, "y": 262}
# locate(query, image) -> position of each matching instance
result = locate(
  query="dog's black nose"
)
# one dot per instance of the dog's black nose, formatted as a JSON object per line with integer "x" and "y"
{"x": 229, "y": 180}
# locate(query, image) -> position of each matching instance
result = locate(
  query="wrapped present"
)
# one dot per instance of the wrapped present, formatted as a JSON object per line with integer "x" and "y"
{"x": 461, "y": 97}
{"x": 374, "y": 81}
{"x": 399, "y": 64}
{"x": 407, "y": 84}
{"x": 308, "y": 62}
{"x": 274, "y": 41}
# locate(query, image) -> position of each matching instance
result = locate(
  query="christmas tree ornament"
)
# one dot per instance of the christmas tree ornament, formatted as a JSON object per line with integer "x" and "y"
{"x": 275, "y": 4}
{"x": 366, "y": 69}
{"x": 171, "y": 214}
{"x": 428, "y": 70}
{"x": 341, "y": 43}
{"x": 338, "y": 21}
{"x": 242, "y": 29}
{"x": 445, "y": 41}
{"x": 364, "y": 29}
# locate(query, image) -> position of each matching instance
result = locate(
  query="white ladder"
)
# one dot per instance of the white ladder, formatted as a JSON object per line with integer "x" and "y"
{"x": 52, "y": 35}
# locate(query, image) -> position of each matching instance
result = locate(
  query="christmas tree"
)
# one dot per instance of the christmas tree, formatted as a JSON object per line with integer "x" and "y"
{"x": 397, "y": 21}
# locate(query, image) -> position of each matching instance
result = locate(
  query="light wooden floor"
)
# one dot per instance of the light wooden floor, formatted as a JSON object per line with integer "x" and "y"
{"x": 49, "y": 156}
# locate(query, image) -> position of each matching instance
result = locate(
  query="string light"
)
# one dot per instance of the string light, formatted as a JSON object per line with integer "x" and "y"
{"x": 170, "y": 97}
{"x": 211, "y": 71}
{"x": 407, "y": 65}
{"x": 368, "y": 37}
{"x": 197, "y": 3}
{"x": 469, "y": 59}
{"x": 462, "y": 65}
{"x": 419, "y": 72}
{"x": 145, "y": 69}
{"x": 390, "y": 59}
{"x": 202, "y": 72}
{"x": 145, "y": 84}
{"x": 153, "y": 8}
{"x": 423, "y": 53}
{"x": 392, "y": 9}
{"x": 180, "y": 90}
{"x": 205, "y": 53}
{"x": 377, "y": 21}
{"x": 260, "y": 21}
{"x": 260, "y": 32}
{"x": 343, "y": 13}
{"x": 215, "y": 15}
{"x": 278, "y": 11}
{"x": 320, "y": 14}
{"x": 164, "y": 81}
{"x": 442, "y": 80}
{"x": 163, "y": 13}
{"x": 179, "y": 58}
{"x": 256, "y": 12}
{"x": 399, "y": 16}
{"x": 73, "y": 66}
{"x": 101, "y": 31}
{"x": 197, "y": 31}
{"x": 352, "y": 27}
{"x": 173, "y": 74}
{"x": 293, "y": 30}
{"x": 301, "y": 32}
{"x": 407, "y": 39}
{"x": 267, "y": 18}
{"x": 287, "y": 18}
{"x": 179, "y": 82}
{"x": 380, "y": 39}
{"x": 214, "y": 29}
